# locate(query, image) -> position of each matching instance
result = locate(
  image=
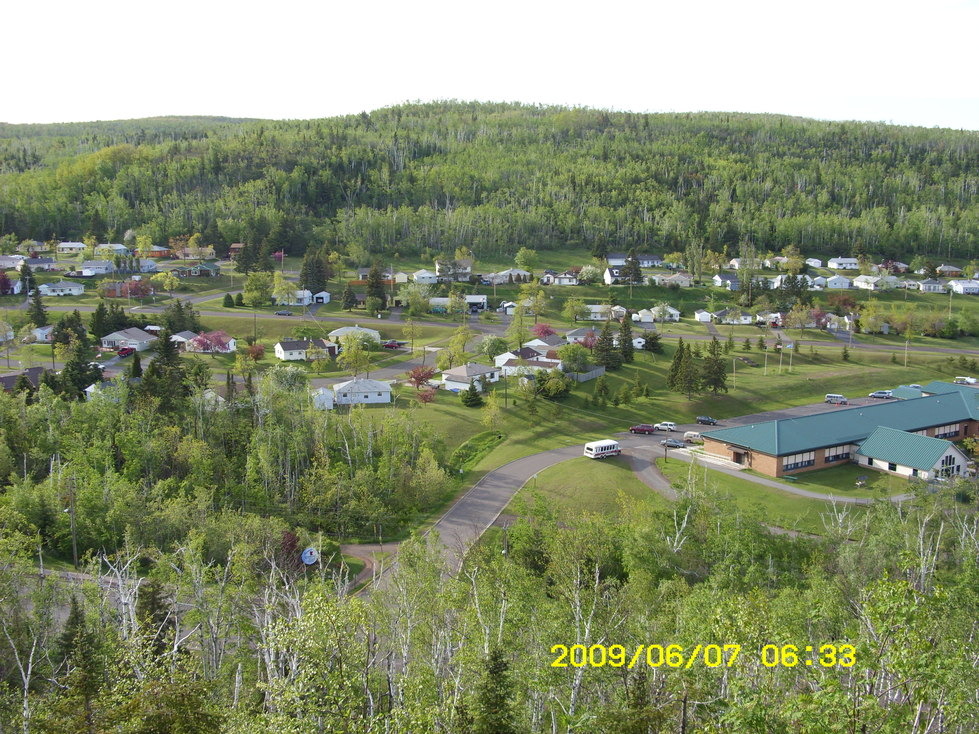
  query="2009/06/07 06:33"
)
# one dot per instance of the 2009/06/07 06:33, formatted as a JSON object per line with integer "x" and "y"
{"x": 712, "y": 656}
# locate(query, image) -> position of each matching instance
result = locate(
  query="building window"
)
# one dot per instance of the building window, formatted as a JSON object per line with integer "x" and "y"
{"x": 945, "y": 431}
{"x": 798, "y": 461}
{"x": 870, "y": 461}
{"x": 914, "y": 472}
{"x": 891, "y": 466}
{"x": 837, "y": 453}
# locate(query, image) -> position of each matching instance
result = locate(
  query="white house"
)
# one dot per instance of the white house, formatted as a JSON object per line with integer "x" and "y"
{"x": 814, "y": 262}
{"x": 738, "y": 263}
{"x": 361, "y": 390}
{"x": 146, "y": 265}
{"x": 321, "y": 297}
{"x": 302, "y": 297}
{"x": 726, "y": 280}
{"x": 61, "y": 288}
{"x": 779, "y": 281}
{"x": 454, "y": 270}
{"x": 71, "y": 248}
{"x": 949, "y": 271}
{"x": 553, "y": 278}
{"x": 577, "y": 336}
{"x": 820, "y": 282}
{"x": 774, "y": 263}
{"x": 181, "y": 338}
{"x": 638, "y": 342}
{"x": 875, "y": 282}
{"x": 843, "y": 263}
{"x": 11, "y": 262}
{"x": 212, "y": 342}
{"x": 733, "y": 316}
{"x": 503, "y": 277}
{"x": 425, "y": 277}
{"x": 703, "y": 316}
{"x": 322, "y": 398}
{"x": 476, "y": 301}
{"x": 507, "y": 307}
{"x": 643, "y": 316}
{"x": 910, "y": 454}
{"x": 458, "y": 378}
{"x": 293, "y": 350}
{"x": 965, "y": 287}
{"x": 931, "y": 285}
{"x": 97, "y": 267}
{"x": 42, "y": 334}
{"x": 838, "y": 282}
{"x": 132, "y": 337}
{"x": 603, "y": 312}
{"x": 665, "y": 312}
{"x": 338, "y": 334}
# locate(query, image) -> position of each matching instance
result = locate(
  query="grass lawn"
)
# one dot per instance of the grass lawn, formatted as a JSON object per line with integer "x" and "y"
{"x": 841, "y": 481}
{"x": 770, "y": 506}
{"x": 586, "y": 485}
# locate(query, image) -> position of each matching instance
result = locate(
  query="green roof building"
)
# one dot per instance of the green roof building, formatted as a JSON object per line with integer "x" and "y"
{"x": 910, "y": 454}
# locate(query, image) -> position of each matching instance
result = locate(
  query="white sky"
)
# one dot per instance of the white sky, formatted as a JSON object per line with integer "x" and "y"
{"x": 898, "y": 61}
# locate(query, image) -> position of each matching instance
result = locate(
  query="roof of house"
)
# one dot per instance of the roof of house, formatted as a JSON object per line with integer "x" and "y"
{"x": 537, "y": 363}
{"x": 132, "y": 333}
{"x": 906, "y": 449}
{"x": 356, "y": 329}
{"x": 468, "y": 370}
{"x": 581, "y": 332}
{"x": 182, "y": 336}
{"x": 727, "y": 277}
{"x": 61, "y": 284}
{"x": 96, "y": 263}
{"x": 851, "y": 425}
{"x": 33, "y": 375}
{"x": 291, "y": 345}
{"x": 362, "y": 384}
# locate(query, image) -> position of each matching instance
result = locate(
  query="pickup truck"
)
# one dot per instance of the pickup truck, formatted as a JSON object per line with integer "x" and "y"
{"x": 665, "y": 426}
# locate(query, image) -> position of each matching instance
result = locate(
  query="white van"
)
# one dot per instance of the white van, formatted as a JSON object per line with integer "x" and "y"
{"x": 603, "y": 448}
{"x": 692, "y": 437}
{"x": 832, "y": 397}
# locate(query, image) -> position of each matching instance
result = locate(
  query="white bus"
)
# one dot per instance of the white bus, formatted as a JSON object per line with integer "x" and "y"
{"x": 603, "y": 448}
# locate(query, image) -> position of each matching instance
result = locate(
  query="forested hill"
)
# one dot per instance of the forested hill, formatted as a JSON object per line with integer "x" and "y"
{"x": 496, "y": 177}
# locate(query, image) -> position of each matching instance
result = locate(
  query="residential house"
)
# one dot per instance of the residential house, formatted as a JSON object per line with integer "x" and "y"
{"x": 773, "y": 319}
{"x": 476, "y": 302}
{"x": 459, "y": 378}
{"x": 181, "y": 338}
{"x": 425, "y": 277}
{"x": 814, "y": 262}
{"x": 507, "y": 307}
{"x": 838, "y": 282}
{"x": 13, "y": 287}
{"x": 644, "y": 316}
{"x": 11, "y": 262}
{"x": 894, "y": 267}
{"x": 510, "y": 275}
{"x": 948, "y": 271}
{"x": 9, "y": 381}
{"x": 302, "y": 297}
{"x": 135, "y": 287}
{"x": 774, "y": 263}
{"x": 158, "y": 251}
{"x": 293, "y": 350}
{"x": 726, "y": 280}
{"x": 665, "y": 312}
{"x": 43, "y": 334}
{"x": 212, "y": 342}
{"x": 337, "y": 335}
{"x": 603, "y": 312}
{"x": 550, "y": 277}
{"x": 361, "y": 390}
{"x": 234, "y": 249}
{"x": 703, "y": 316}
{"x": 582, "y": 335}
{"x": 931, "y": 285}
{"x": 454, "y": 270}
{"x": 202, "y": 270}
{"x": 147, "y": 266}
{"x": 618, "y": 259}
{"x": 819, "y": 282}
{"x": 47, "y": 263}
{"x": 740, "y": 263}
{"x": 964, "y": 287}
{"x": 322, "y": 398}
{"x": 843, "y": 263}
{"x": 388, "y": 275}
{"x": 111, "y": 250}
{"x": 71, "y": 248}
{"x": 132, "y": 337}
{"x": 676, "y": 280}
{"x": 205, "y": 252}
{"x": 61, "y": 288}
{"x": 97, "y": 267}
{"x": 780, "y": 281}
{"x": 733, "y": 316}
{"x": 638, "y": 342}
{"x": 544, "y": 344}
{"x": 875, "y": 282}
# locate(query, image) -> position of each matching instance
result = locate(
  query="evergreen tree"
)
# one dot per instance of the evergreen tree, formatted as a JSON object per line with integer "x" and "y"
{"x": 601, "y": 392}
{"x": 845, "y": 354}
{"x": 729, "y": 344}
{"x": 154, "y": 614}
{"x": 27, "y": 278}
{"x": 631, "y": 272}
{"x": 36, "y": 312}
{"x": 239, "y": 299}
{"x": 136, "y": 368}
{"x": 672, "y": 377}
{"x": 626, "y": 349}
{"x": 165, "y": 378}
{"x": 747, "y": 344}
{"x": 761, "y": 344}
{"x": 23, "y": 385}
{"x": 228, "y": 301}
{"x": 314, "y": 273}
{"x": 605, "y": 353}
{"x": 247, "y": 260}
{"x": 70, "y": 328}
{"x": 492, "y": 708}
{"x": 78, "y": 373}
{"x": 375, "y": 285}
{"x": 99, "y": 322}
{"x": 688, "y": 377}
{"x": 652, "y": 342}
{"x": 712, "y": 371}
{"x": 471, "y": 397}
{"x": 349, "y": 298}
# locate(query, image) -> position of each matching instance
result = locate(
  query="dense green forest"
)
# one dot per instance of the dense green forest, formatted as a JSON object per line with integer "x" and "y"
{"x": 495, "y": 177}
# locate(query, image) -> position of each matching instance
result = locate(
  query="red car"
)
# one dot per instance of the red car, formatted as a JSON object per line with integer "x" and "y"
{"x": 391, "y": 345}
{"x": 643, "y": 428}
{"x": 125, "y": 351}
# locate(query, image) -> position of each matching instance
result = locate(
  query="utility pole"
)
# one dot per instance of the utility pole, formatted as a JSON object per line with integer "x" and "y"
{"x": 71, "y": 515}
{"x": 734, "y": 370}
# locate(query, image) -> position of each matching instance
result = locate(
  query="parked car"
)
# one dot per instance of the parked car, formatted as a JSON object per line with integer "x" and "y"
{"x": 883, "y": 394}
{"x": 665, "y": 426}
{"x": 643, "y": 428}
{"x": 391, "y": 344}
{"x": 126, "y": 351}
{"x": 706, "y": 420}
{"x": 916, "y": 386}
{"x": 965, "y": 381}
{"x": 673, "y": 443}
{"x": 283, "y": 313}
{"x": 97, "y": 365}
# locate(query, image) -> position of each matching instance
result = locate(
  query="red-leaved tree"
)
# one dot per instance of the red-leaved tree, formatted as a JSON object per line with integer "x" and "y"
{"x": 418, "y": 376}
{"x": 427, "y": 396}
{"x": 541, "y": 330}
